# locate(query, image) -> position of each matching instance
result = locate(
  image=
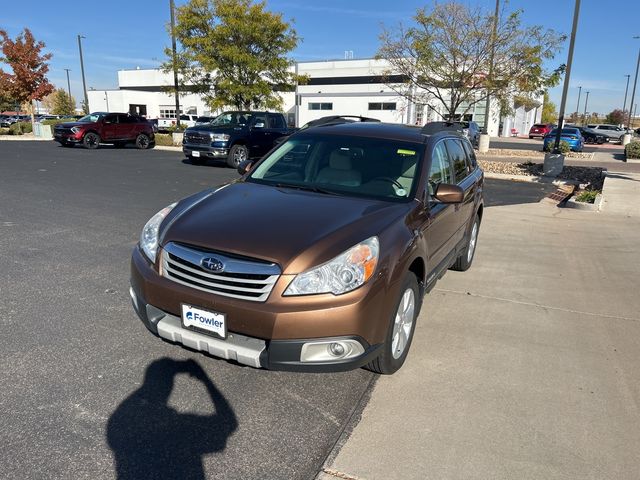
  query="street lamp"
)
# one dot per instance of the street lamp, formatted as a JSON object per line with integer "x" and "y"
{"x": 84, "y": 83}
{"x": 578, "y": 107}
{"x": 175, "y": 66}
{"x": 576, "y": 14}
{"x": 584, "y": 116}
{"x": 635, "y": 81}
{"x": 624, "y": 106}
{"x": 68, "y": 83}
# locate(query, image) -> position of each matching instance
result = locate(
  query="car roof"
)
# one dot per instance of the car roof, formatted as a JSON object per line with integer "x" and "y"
{"x": 388, "y": 131}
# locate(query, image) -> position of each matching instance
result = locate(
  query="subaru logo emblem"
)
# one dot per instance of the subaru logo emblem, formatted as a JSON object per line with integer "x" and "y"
{"x": 212, "y": 264}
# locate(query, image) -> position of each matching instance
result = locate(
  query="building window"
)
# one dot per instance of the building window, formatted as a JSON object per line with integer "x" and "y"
{"x": 382, "y": 106}
{"x": 320, "y": 106}
{"x": 168, "y": 112}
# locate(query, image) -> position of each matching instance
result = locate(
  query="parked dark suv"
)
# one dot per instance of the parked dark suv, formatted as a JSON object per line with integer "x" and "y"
{"x": 100, "y": 127}
{"x": 318, "y": 257}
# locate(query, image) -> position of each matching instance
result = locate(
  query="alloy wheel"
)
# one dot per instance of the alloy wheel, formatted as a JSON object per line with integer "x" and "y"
{"x": 403, "y": 323}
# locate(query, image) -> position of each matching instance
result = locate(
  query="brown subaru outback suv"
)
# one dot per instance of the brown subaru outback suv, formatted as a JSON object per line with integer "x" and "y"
{"x": 318, "y": 257}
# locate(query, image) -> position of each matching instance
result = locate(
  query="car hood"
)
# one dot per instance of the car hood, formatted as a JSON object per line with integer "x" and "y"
{"x": 215, "y": 129}
{"x": 293, "y": 228}
{"x": 72, "y": 124}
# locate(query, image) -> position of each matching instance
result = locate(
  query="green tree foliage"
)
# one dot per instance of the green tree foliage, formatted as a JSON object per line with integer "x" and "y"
{"x": 60, "y": 103}
{"x": 446, "y": 55}
{"x": 616, "y": 117}
{"x": 549, "y": 112}
{"x": 29, "y": 67}
{"x": 234, "y": 53}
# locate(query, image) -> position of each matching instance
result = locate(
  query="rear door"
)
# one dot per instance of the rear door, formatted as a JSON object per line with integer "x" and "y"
{"x": 441, "y": 227}
{"x": 261, "y": 136}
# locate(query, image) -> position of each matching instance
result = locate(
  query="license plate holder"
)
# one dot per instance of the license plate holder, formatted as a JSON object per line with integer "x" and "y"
{"x": 195, "y": 153}
{"x": 208, "y": 321}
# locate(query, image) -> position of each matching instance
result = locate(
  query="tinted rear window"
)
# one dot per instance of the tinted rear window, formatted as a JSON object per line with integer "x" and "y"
{"x": 458, "y": 158}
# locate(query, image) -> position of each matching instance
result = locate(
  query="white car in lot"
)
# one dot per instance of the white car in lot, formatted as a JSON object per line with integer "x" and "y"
{"x": 185, "y": 121}
{"x": 613, "y": 132}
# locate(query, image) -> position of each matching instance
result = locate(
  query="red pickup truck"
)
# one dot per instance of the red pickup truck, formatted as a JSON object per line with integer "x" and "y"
{"x": 96, "y": 128}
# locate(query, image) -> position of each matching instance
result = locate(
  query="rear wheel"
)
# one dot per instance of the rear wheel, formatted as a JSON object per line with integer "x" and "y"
{"x": 237, "y": 155}
{"x": 463, "y": 262}
{"x": 402, "y": 325}
{"x": 91, "y": 140}
{"x": 143, "y": 141}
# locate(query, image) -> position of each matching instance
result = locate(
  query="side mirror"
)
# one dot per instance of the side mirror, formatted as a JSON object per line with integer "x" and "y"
{"x": 259, "y": 125}
{"x": 245, "y": 167}
{"x": 446, "y": 193}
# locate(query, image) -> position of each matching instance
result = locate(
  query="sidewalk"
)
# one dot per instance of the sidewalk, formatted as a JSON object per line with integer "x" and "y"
{"x": 622, "y": 194}
{"x": 526, "y": 366}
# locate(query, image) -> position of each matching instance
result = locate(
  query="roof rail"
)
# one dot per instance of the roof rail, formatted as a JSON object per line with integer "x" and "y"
{"x": 432, "y": 128}
{"x": 337, "y": 120}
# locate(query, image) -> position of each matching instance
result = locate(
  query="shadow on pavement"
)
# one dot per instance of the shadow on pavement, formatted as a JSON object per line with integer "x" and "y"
{"x": 507, "y": 192}
{"x": 151, "y": 440}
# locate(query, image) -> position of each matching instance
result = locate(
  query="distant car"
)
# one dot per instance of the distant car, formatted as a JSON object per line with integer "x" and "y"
{"x": 9, "y": 120}
{"x": 614, "y": 132}
{"x": 570, "y": 135}
{"x": 589, "y": 135}
{"x": 540, "y": 130}
{"x": 185, "y": 121}
{"x": 471, "y": 130}
{"x": 100, "y": 127}
{"x": 204, "y": 120}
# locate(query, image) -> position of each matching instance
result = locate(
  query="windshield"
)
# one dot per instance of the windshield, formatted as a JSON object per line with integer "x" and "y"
{"x": 232, "y": 119}
{"x": 351, "y": 166}
{"x": 92, "y": 117}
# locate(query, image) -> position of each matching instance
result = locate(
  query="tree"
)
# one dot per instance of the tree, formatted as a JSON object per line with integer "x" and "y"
{"x": 549, "y": 112}
{"x": 234, "y": 53}
{"x": 616, "y": 117}
{"x": 60, "y": 103}
{"x": 446, "y": 56}
{"x": 28, "y": 80}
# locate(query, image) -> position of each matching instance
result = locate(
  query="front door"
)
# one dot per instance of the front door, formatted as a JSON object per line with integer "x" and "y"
{"x": 110, "y": 127}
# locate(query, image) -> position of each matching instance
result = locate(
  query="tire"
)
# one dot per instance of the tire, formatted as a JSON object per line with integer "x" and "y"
{"x": 400, "y": 332}
{"x": 91, "y": 140}
{"x": 464, "y": 261}
{"x": 143, "y": 141}
{"x": 237, "y": 155}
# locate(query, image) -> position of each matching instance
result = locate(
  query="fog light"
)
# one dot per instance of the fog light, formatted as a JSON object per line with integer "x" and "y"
{"x": 330, "y": 351}
{"x": 336, "y": 349}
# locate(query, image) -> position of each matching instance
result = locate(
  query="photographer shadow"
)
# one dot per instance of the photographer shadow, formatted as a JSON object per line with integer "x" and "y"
{"x": 151, "y": 440}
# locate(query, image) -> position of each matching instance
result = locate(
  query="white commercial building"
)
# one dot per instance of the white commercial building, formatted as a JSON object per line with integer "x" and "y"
{"x": 335, "y": 87}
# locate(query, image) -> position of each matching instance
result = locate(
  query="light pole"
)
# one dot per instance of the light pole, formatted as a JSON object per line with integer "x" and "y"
{"x": 584, "y": 116}
{"x": 69, "y": 85}
{"x": 175, "y": 67}
{"x": 624, "y": 105}
{"x": 576, "y": 15}
{"x": 84, "y": 83}
{"x": 578, "y": 107}
{"x": 483, "y": 142}
{"x": 635, "y": 81}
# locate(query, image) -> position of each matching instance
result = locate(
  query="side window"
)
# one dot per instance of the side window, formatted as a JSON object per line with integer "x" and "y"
{"x": 111, "y": 119}
{"x": 471, "y": 155}
{"x": 440, "y": 171}
{"x": 276, "y": 121}
{"x": 457, "y": 156}
{"x": 260, "y": 118}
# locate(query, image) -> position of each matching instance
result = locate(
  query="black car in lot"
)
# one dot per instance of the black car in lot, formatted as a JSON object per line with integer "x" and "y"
{"x": 590, "y": 136}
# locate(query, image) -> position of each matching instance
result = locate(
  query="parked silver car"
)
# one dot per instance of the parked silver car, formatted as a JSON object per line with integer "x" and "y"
{"x": 613, "y": 132}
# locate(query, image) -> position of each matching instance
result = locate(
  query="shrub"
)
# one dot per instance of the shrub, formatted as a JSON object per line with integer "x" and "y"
{"x": 632, "y": 150}
{"x": 587, "y": 196}
{"x": 174, "y": 128}
{"x": 563, "y": 147}
{"x": 164, "y": 139}
{"x": 19, "y": 128}
{"x": 55, "y": 121}
{"x": 4, "y": 131}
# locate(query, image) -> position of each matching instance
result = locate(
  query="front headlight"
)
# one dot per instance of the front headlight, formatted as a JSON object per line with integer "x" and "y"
{"x": 344, "y": 273}
{"x": 219, "y": 137}
{"x": 76, "y": 129}
{"x": 149, "y": 235}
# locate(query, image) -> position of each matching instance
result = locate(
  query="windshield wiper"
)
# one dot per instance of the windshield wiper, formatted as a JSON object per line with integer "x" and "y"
{"x": 306, "y": 188}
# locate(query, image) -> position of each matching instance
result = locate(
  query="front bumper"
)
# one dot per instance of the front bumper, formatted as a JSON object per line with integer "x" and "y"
{"x": 267, "y": 334}
{"x": 67, "y": 138}
{"x": 205, "y": 151}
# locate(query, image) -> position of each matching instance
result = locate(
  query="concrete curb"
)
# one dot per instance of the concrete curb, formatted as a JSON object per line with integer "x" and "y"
{"x": 167, "y": 148}
{"x": 528, "y": 178}
{"x": 24, "y": 138}
{"x": 588, "y": 207}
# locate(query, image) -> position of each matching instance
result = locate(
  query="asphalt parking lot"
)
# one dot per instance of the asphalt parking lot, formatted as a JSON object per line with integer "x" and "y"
{"x": 85, "y": 389}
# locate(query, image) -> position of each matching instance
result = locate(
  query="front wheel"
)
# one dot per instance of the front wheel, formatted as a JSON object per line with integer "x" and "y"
{"x": 142, "y": 141}
{"x": 463, "y": 262}
{"x": 402, "y": 325}
{"x": 237, "y": 155}
{"x": 91, "y": 140}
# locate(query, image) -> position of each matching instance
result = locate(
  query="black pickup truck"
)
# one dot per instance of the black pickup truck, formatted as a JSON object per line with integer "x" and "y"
{"x": 234, "y": 136}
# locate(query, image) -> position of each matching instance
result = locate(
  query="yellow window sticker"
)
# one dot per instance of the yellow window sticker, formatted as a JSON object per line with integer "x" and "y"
{"x": 402, "y": 151}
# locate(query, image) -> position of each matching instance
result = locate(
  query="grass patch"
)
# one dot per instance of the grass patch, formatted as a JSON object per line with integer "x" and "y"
{"x": 587, "y": 196}
{"x": 164, "y": 139}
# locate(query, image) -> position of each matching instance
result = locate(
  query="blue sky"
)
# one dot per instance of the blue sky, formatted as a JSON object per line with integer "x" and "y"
{"x": 126, "y": 34}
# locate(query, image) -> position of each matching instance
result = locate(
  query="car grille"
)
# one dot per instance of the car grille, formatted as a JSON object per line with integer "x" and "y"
{"x": 196, "y": 138}
{"x": 62, "y": 131}
{"x": 240, "y": 277}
